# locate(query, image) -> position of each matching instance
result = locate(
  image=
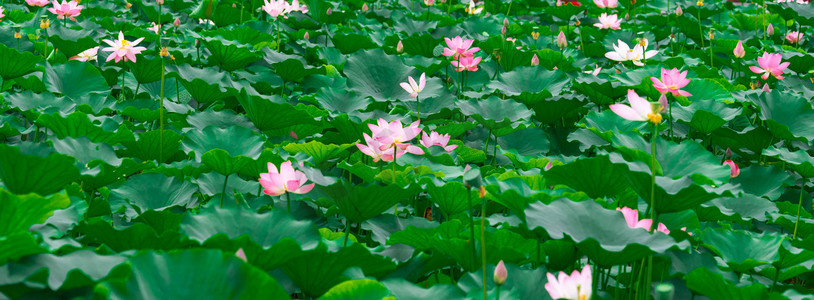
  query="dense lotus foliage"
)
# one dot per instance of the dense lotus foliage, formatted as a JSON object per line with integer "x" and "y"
{"x": 400, "y": 149}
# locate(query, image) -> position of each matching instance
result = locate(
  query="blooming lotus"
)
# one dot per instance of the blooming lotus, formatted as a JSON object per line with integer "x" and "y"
{"x": 739, "y": 51}
{"x": 123, "y": 49}
{"x": 66, "y": 9}
{"x": 39, "y": 3}
{"x": 671, "y": 81}
{"x": 155, "y": 27}
{"x": 275, "y": 8}
{"x": 606, "y": 3}
{"x": 295, "y": 6}
{"x": 794, "y": 37}
{"x": 578, "y": 286}
{"x": 734, "y": 171}
{"x": 608, "y": 22}
{"x": 414, "y": 88}
{"x": 458, "y": 47}
{"x": 623, "y": 52}
{"x": 285, "y": 181}
{"x": 394, "y": 135}
{"x": 770, "y": 65}
{"x": 375, "y": 149}
{"x": 471, "y": 8}
{"x": 632, "y": 220}
{"x": 435, "y": 138}
{"x": 1, "y": 12}
{"x": 468, "y": 63}
{"x": 86, "y": 55}
{"x": 639, "y": 109}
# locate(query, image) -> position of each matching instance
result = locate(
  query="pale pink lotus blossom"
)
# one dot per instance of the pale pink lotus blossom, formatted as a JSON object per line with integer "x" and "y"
{"x": 66, "y": 9}
{"x": 472, "y": 9}
{"x": 578, "y": 286}
{"x": 639, "y": 109}
{"x": 393, "y": 134}
{"x": 766, "y": 88}
{"x": 548, "y": 166}
{"x": 429, "y": 2}
{"x": 739, "y": 51}
{"x": 595, "y": 71}
{"x": 561, "y": 41}
{"x": 206, "y": 21}
{"x": 414, "y": 88}
{"x": 632, "y": 220}
{"x": 86, "y": 55}
{"x": 500, "y": 273}
{"x": 275, "y": 8}
{"x": 2, "y": 10}
{"x": 468, "y": 63}
{"x": 794, "y": 37}
{"x": 608, "y": 21}
{"x": 286, "y": 180}
{"x": 155, "y": 27}
{"x": 770, "y": 65}
{"x": 734, "y": 171}
{"x": 457, "y": 47}
{"x": 365, "y": 8}
{"x": 672, "y": 81}
{"x": 39, "y": 3}
{"x": 295, "y": 6}
{"x": 373, "y": 149}
{"x": 622, "y": 52}
{"x": 435, "y": 138}
{"x": 123, "y": 49}
{"x": 606, "y": 3}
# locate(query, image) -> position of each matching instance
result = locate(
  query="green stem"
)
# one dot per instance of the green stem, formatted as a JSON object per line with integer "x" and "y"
{"x": 700, "y": 30}
{"x": 497, "y": 294}
{"x": 494, "y": 151}
{"x": 670, "y": 112}
{"x": 799, "y": 207}
{"x": 347, "y": 232}
{"x": 161, "y": 116}
{"x": 483, "y": 243}
{"x": 471, "y": 222}
{"x": 223, "y": 191}
{"x": 288, "y": 202}
{"x": 418, "y": 105}
{"x": 121, "y": 97}
{"x": 652, "y": 207}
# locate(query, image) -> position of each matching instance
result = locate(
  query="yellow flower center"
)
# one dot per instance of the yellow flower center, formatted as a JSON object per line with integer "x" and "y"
{"x": 654, "y": 118}
{"x": 124, "y": 44}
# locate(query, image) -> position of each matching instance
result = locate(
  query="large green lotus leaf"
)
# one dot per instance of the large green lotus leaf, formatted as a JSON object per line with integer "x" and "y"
{"x": 212, "y": 273}
{"x": 801, "y": 63}
{"x": 531, "y": 141}
{"x": 352, "y": 42}
{"x": 147, "y": 70}
{"x": 452, "y": 198}
{"x": 21, "y": 211}
{"x": 86, "y": 151}
{"x": 383, "y": 226}
{"x": 753, "y": 139}
{"x": 149, "y": 145}
{"x": 265, "y": 229}
{"x": 204, "y": 85}
{"x": 714, "y": 286}
{"x": 800, "y": 12}
{"x": 269, "y": 115}
{"x": 793, "y": 262}
{"x": 360, "y": 289}
{"x": 223, "y": 163}
{"x": 602, "y": 234}
{"x": 138, "y": 236}
{"x": 235, "y": 140}
{"x": 638, "y": 77}
{"x": 493, "y": 112}
{"x": 598, "y": 90}
{"x": 228, "y": 55}
{"x": 14, "y": 63}
{"x": 420, "y": 44}
{"x": 338, "y": 101}
{"x": 204, "y": 9}
{"x": 748, "y": 207}
{"x": 43, "y": 102}
{"x": 705, "y": 115}
{"x": 320, "y": 152}
{"x": 71, "y": 42}
{"x": 76, "y": 269}
{"x": 763, "y": 181}
{"x": 317, "y": 270}
{"x": 79, "y": 124}
{"x": 743, "y": 250}
{"x": 221, "y": 118}
{"x": 245, "y": 35}
{"x": 423, "y": 238}
{"x": 151, "y": 191}
{"x": 405, "y": 290}
{"x": 513, "y": 193}
{"x": 788, "y": 116}
{"x": 373, "y": 73}
{"x": 530, "y": 80}
{"x": 605, "y": 123}
{"x": 361, "y": 202}
{"x": 39, "y": 173}
{"x": 800, "y": 161}
{"x": 703, "y": 89}
{"x": 15, "y": 246}
{"x": 293, "y": 70}
{"x": 75, "y": 79}
{"x": 606, "y": 179}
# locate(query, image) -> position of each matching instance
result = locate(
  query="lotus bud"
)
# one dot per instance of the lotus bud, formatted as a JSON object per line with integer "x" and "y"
{"x": 534, "y": 60}
{"x": 734, "y": 171}
{"x": 329, "y": 11}
{"x": 627, "y": 16}
{"x": 197, "y": 43}
{"x": 503, "y": 30}
{"x": 429, "y": 2}
{"x": 559, "y": 2}
{"x": 739, "y": 51}
{"x": 294, "y": 135}
{"x": 500, "y": 273}
{"x": 176, "y": 23}
{"x": 234, "y": 5}
{"x": 663, "y": 103}
{"x": 240, "y": 254}
{"x": 728, "y": 153}
{"x": 164, "y": 52}
{"x": 306, "y": 36}
{"x": 128, "y": 5}
{"x": 160, "y": 2}
{"x": 365, "y": 8}
{"x": 548, "y": 166}
{"x": 770, "y": 30}
{"x": 400, "y": 47}
{"x": 766, "y": 87}
{"x": 679, "y": 11}
{"x": 561, "y": 41}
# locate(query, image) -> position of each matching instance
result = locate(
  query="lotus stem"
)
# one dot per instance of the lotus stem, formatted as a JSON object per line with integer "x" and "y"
{"x": 483, "y": 241}
{"x": 288, "y": 202}
{"x": 799, "y": 207}
{"x": 471, "y": 221}
{"x": 652, "y": 207}
{"x": 161, "y": 118}
{"x": 121, "y": 97}
{"x": 497, "y": 294}
{"x": 347, "y": 232}
{"x": 417, "y": 103}
{"x": 223, "y": 191}
{"x": 700, "y": 30}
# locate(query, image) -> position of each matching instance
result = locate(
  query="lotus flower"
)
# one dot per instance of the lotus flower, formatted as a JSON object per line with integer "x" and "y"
{"x": 671, "y": 81}
{"x": 435, "y": 138}
{"x": 458, "y": 47}
{"x": 794, "y": 37}
{"x": 739, "y": 51}
{"x": 412, "y": 87}
{"x": 285, "y": 181}
{"x": 578, "y": 286}
{"x": 606, "y": 3}
{"x": 429, "y": 2}
{"x": 471, "y": 8}
{"x": 561, "y": 41}
{"x": 39, "y": 3}
{"x": 86, "y": 55}
{"x": 595, "y": 71}
{"x": 500, "y": 274}
{"x": 632, "y": 219}
{"x": 2, "y": 10}
{"x": 155, "y": 27}
{"x": 295, "y": 6}
{"x": 275, "y": 8}
{"x": 622, "y": 52}
{"x": 639, "y": 109}
{"x": 394, "y": 135}
{"x": 734, "y": 171}
{"x": 66, "y": 9}
{"x": 606, "y": 21}
{"x": 468, "y": 63}
{"x": 770, "y": 65}
{"x": 123, "y": 49}
{"x": 377, "y": 150}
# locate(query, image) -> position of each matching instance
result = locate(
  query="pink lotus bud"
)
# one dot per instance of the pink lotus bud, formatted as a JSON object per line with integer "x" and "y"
{"x": 160, "y": 2}
{"x": 329, "y": 11}
{"x": 364, "y": 7}
{"x": 306, "y": 36}
{"x": 534, "y": 60}
{"x": 505, "y": 22}
{"x": 234, "y": 5}
{"x": 467, "y": 168}
{"x": 734, "y": 171}
{"x": 429, "y": 2}
{"x": 766, "y": 87}
{"x": 770, "y": 30}
{"x": 739, "y": 51}
{"x": 500, "y": 273}
{"x": 627, "y": 17}
{"x": 294, "y": 135}
{"x": 176, "y": 23}
{"x": 240, "y": 254}
{"x": 679, "y": 11}
{"x": 728, "y": 153}
{"x": 559, "y": 2}
{"x": 399, "y": 47}
{"x": 561, "y": 41}
{"x": 548, "y": 166}
{"x": 503, "y": 30}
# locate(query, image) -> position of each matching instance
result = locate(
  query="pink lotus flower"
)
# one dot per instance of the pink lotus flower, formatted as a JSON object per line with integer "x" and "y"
{"x": 285, "y": 181}
{"x": 794, "y": 37}
{"x": 606, "y": 3}
{"x": 39, "y": 3}
{"x": 435, "y": 138}
{"x": 632, "y": 219}
{"x": 639, "y": 109}
{"x": 468, "y": 63}
{"x": 86, "y": 55}
{"x": 1, "y": 12}
{"x": 295, "y": 6}
{"x": 429, "y": 2}
{"x": 671, "y": 81}
{"x": 394, "y": 135}
{"x": 66, "y": 9}
{"x": 606, "y": 21}
{"x": 458, "y": 47}
{"x": 155, "y": 27}
{"x": 500, "y": 274}
{"x": 414, "y": 88}
{"x": 770, "y": 65}
{"x": 734, "y": 171}
{"x": 275, "y": 8}
{"x": 123, "y": 49}
{"x": 739, "y": 51}
{"x": 373, "y": 149}
{"x": 578, "y": 286}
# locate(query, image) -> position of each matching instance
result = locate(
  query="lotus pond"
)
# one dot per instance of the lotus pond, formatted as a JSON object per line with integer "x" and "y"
{"x": 398, "y": 149}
